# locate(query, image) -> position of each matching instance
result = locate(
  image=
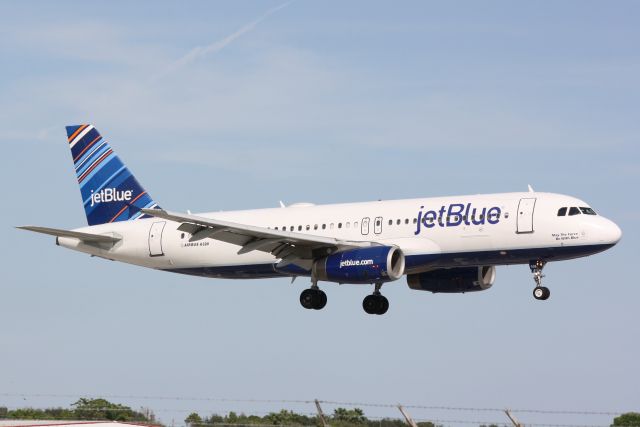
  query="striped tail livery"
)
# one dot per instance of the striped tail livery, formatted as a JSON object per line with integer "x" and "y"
{"x": 110, "y": 192}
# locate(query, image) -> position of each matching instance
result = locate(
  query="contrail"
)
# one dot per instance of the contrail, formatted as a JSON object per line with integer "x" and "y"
{"x": 201, "y": 51}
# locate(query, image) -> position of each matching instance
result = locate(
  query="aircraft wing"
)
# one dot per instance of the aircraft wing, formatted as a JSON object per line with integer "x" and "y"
{"x": 290, "y": 247}
{"x": 85, "y": 237}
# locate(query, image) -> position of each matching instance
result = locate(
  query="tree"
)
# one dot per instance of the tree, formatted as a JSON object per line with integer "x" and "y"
{"x": 285, "y": 417}
{"x": 350, "y": 416}
{"x": 630, "y": 419}
{"x": 193, "y": 418}
{"x": 102, "y": 409}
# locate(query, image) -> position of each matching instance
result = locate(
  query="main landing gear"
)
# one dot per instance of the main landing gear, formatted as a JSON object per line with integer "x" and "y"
{"x": 375, "y": 303}
{"x": 313, "y": 298}
{"x": 539, "y": 292}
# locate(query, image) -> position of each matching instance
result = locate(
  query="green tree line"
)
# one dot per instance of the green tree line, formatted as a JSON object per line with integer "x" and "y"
{"x": 341, "y": 417}
{"x": 83, "y": 409}
{"x": 102, "y": 409}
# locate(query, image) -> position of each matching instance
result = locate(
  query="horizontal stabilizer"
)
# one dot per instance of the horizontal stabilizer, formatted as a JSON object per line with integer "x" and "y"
{"x": 85, "y": 237}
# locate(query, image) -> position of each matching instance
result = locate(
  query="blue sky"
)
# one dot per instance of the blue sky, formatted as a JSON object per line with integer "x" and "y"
{"x": 233, "y": 105}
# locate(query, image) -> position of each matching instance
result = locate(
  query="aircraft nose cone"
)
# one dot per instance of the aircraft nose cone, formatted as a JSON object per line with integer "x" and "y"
{"x": 604, "y": 231}
{"x": 614, "y": 232}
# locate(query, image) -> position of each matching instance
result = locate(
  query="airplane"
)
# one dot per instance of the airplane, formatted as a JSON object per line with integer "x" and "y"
{"x": 441, "y": 244}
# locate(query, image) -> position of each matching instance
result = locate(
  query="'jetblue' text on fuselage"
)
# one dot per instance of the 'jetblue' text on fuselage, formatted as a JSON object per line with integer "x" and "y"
{"x": 457, "y": 214}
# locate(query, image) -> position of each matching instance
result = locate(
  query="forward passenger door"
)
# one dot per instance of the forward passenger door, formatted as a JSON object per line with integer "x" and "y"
{"x": 525, "y": 215}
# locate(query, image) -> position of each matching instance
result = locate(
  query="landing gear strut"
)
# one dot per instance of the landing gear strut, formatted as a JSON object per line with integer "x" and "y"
{"x": 375, "y": 303}
{"x": 539, "y": 292}
{"x": 313, "y": 298}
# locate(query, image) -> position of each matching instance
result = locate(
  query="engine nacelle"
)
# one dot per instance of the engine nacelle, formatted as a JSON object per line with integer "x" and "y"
{"x": 366, "y": 265}
{"x": 453, "y": 280}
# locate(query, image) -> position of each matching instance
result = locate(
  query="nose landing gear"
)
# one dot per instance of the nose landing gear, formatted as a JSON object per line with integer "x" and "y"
{"x": 375, "y": 303}
{"x": 539, "y": 292}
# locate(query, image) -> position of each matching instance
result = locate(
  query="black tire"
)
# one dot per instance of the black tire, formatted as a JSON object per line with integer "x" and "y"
{"x": 541, "y": 293}
{"x": 370, "y": 304}
{"x": 383, "y": 305}
{"x": 319, "y": 300}
{"x": 307, "y": 298}
{"x": 538, "y": 292}
{"x": 546, "y": 293}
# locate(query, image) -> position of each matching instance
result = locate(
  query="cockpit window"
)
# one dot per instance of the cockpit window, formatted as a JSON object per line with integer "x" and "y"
{"x": 562, "y": 211}
{"x": 587, "y": 211}
{"x": 574, "y": 211}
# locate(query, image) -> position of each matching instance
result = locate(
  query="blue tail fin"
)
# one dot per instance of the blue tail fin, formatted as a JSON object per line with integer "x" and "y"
{"x": 110, "y": 192}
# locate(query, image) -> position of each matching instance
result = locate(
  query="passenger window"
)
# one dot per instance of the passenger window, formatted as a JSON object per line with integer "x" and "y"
{"x": 406, "y": 220}
{"x": 588, "y": 211}
{"x": 390, "y": 222}
{"x": 355, "y": 224}
{"x": 574, "y": 211}
{"x": 415, "y": 220}
{"x": 398, "y": 222}
{"x": 299, "y": 228}
{"x": 315, "y": 227}
{"x": 339, "y": 225}
{"x": 331, "y": 226}
{"x": 562, "y": 211}
{"x": 324, "y": 226}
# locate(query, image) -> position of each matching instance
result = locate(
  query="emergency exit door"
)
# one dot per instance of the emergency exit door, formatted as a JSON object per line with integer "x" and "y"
{"x": 525, "y": 215}
{"x": 377, "y": 225}
{"x": 155, "y": 238}
{"x": 364, "y": 228}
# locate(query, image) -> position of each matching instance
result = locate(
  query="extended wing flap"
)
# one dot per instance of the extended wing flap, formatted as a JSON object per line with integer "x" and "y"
{"x": 85, "y": 237}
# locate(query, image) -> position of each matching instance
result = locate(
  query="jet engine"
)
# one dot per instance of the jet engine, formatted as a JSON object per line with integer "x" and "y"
{"x": 366, "y": 265}
{"x": 454, "y": 280}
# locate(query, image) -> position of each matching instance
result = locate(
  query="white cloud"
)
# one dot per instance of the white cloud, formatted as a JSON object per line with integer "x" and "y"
{"x": 202, "y": 51}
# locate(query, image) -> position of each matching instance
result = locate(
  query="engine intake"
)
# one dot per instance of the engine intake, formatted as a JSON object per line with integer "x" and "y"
{"x": 367, "y": 265}
{"x": 454, "y": 280}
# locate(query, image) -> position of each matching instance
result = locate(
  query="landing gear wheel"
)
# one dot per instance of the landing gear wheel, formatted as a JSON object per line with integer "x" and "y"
{"x": 383, "y": 305}
{"x": 306, "y": 298}
{"x": 320, "y": 300}
{"x": 369, "y": 304}
{"x": 541, "y": 293}
{"x": 313, "y": 299}
{"x": 375, "y": 304}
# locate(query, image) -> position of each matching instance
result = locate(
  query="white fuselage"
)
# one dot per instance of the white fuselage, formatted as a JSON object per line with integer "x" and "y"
{"x": 478, "y": 230}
